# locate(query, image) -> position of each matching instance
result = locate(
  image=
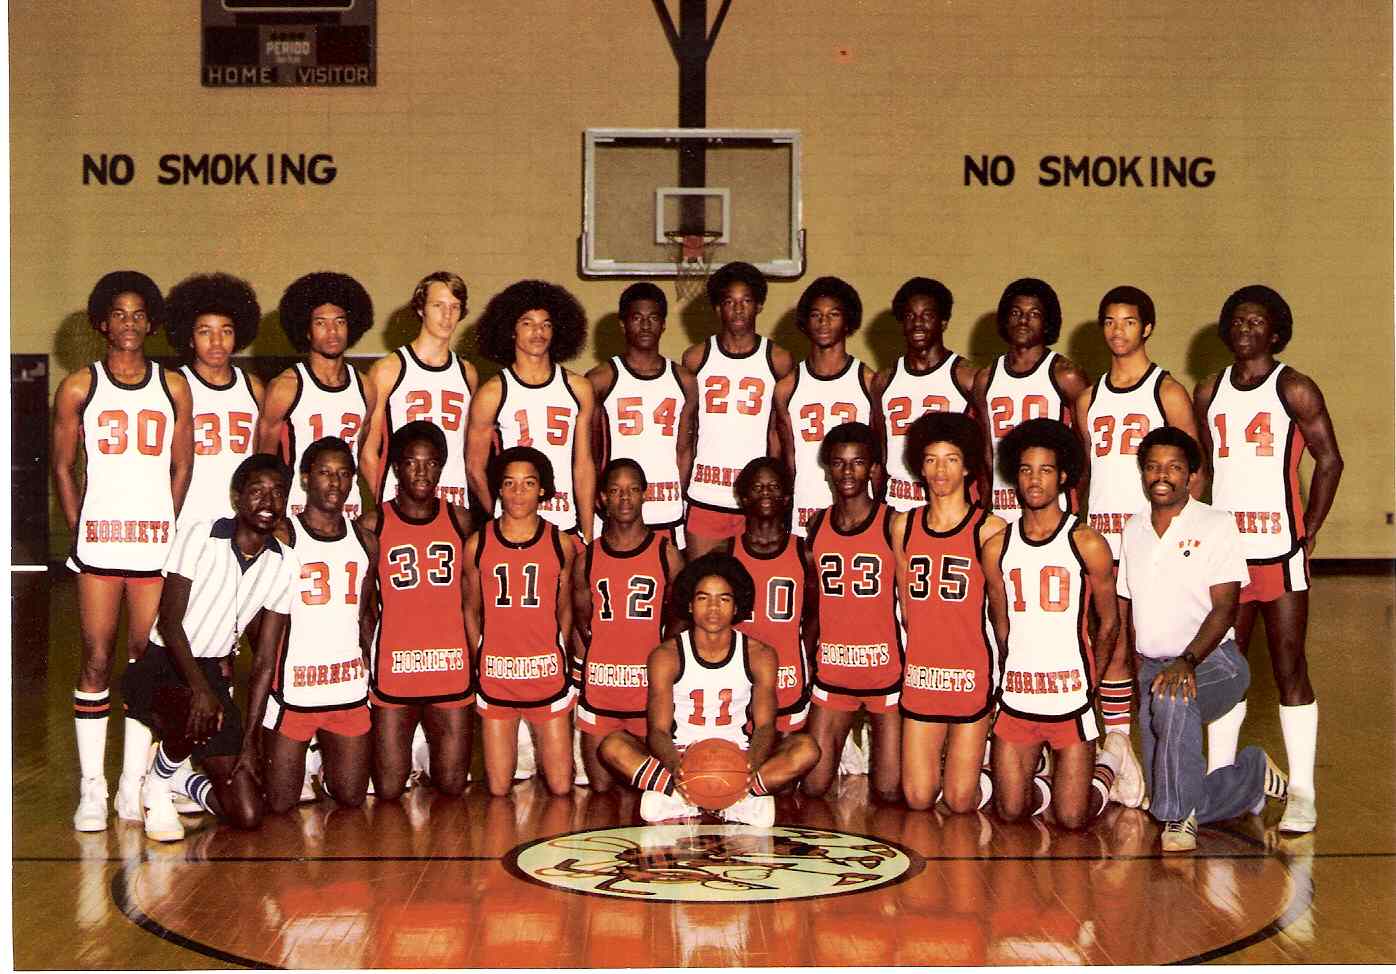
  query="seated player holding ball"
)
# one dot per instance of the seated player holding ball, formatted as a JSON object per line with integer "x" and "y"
{"x": 711, "y": 682}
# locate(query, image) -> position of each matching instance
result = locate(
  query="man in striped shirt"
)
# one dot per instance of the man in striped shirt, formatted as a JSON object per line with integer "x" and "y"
{"x": 219, "y": 577}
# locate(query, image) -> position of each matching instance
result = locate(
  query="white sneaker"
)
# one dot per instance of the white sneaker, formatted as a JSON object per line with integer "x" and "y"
{"x": 1128, "y": 789}
{"x": 161, "y": 820}
{"x": 655, "y": 806}
{"x": 1276, "y": 787}
{"x": 527, "y": 763}
{"x": 128, "y": 799}
{"x": 757, "y": 810}
{"x": 313, "y": 764}
{"x": 579, "y": 767}
{"x": 1300, "y": 813}
{"x": 1180, "y": 836}
{"x": 183, "y": 803}
{"x": 91, "y": 815}
{"x": 854, "y": 759}
{"x": 421, "y": 757}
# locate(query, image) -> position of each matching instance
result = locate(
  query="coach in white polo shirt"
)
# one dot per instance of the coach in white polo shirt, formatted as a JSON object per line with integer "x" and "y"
{"x": 1182, "y": 566}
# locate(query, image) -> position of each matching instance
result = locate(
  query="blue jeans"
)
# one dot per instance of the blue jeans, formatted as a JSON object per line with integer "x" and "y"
{"x": 1171, "y": 734}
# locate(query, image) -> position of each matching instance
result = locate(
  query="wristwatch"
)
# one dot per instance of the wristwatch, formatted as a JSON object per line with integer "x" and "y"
{"x": 1190, "y": 659}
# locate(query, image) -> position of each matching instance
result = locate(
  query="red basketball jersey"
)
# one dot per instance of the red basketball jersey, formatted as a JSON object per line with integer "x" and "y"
{"x": 860, "y": 634}
{"x": 628, "y": 591}
{"x": 419, "y": 653}
{"x": 780, "y": 601}
{"x": 521, "y": 662}
{"x": 949, "y": 658}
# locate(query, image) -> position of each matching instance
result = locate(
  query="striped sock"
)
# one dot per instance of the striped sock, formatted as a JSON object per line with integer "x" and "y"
{"x": 1116, "y": 696}
{"x": 759, "y": 788}
{"x": 1101, "y": 781}
{"x": 653, "y": 776}
{"x": 199, "y": 787}
{"x": 164, "y": 766}
{"x": 90, "y": 712}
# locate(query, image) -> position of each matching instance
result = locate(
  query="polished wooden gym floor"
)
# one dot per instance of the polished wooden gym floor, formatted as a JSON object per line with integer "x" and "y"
{"x": 433, "y": 882}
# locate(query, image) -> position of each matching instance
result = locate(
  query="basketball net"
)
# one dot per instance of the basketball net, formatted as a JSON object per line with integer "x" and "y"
{"x": 693, "y": 261}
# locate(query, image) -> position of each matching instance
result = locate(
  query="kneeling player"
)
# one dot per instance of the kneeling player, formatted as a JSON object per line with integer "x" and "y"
{"x": 420, "y": 665}
{"x": 1039, "y": 573}
{"x": 948, "y": 682}
{"x": 219, "y": 578}
{"x": 317, "y": 686}
{"x": 711, "y": 681}
{"x": 619, "y": 592}
{"x": 516, "y": 614}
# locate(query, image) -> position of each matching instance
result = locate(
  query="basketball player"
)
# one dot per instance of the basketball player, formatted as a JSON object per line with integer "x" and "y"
{"x": 1181, "y": 568}
{"x": 323, "y": 314}
{"x": 1039, "y": 574}
{"x": 929, "y": 378}
{"x": 424, "y": 380}
{"x": 710, "y": 681}
{"x": 1029, "y": 381}
{"x": 209, "y": 319}
{"x": 317, "y": 685}
{"x": 620, "y": 590}
{"x": 420, "y": 666}
{"x": 645, "y": 408}
{"x": 1256, "y": 418}
{"x": 785, "y": 617}
{"x": 948, "y": 681}
{"x": 132, "y": 420}
{"x": 1112, "y": 417}
{"x": 737, "y": 371}
{"x": 859, "y": 666}
{"x": 517, "y": 614}
{"x": 828, "y": 388}
{"x": 221, "y": 575}
{"x": 529, "y": 328}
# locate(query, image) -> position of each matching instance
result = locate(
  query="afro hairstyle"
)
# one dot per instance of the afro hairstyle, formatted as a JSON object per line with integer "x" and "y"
{"x": 409, "y": 433}
{"x": 522, "y": 454}
{"x": 838, "y": 289}
{"x": 850, "y": 433}
{"x": 324, "y": 287}
{"x": 326, "y": 444}
{"x": 737, "y": 272}
{"x": 724, "y": 566}
{"x": 1048, "y": 434}
{"x": 923, "y": 287}
{"x": 1171, "y": 436}
{"x": 494, "y": 337}
{"x": 956, "y": 429}
{"x": 257, "y": 463}
{"x": 1281, "y": 318}
{"x": 104, "y": 292}
{"x": 643, "y": 291}
{"x": 747, "y": 477}
{"x": 1031, "y": 287}
{"x": 211, "y": 294}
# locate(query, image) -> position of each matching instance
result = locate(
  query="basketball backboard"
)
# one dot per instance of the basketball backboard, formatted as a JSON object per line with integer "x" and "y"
{"x": 734, "y": 194}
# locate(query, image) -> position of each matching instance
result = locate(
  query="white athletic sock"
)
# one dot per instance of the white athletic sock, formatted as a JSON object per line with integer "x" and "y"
{"x": 1107, "y": 768}
{"x": 163, "y": 767}
{"x": 1222, "y": 737}
{"x": 135, "y": 750}
{"x": 1300, "y": 728}
{"x": 90, "y": 711}
{"x": 199, "y": 787}
{"x": 179, "y": 778}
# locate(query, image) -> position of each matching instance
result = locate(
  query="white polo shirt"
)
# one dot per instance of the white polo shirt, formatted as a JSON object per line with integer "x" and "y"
{"x": 1168, "y": 580}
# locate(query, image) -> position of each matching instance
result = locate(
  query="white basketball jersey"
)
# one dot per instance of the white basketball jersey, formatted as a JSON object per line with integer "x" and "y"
{"x": 439, "y": 395}
{"x": 734, "y": 418}
{"x": 909, "y": 396}
{"x": 1256, "y": 447}
{"x": 543, "y": 417}
{"x": 319, "y": 411}
{"x": 1117, "y": 421}
{"x": 322, "y": 666}
{"x": 711, "y": 699}
{"x": 126, "y": 515}
{"x": 225, "y": 419}
{"x": 816, "y": 406}
{"x": 1012, "y": 399}
{"x": 1048, "y": 673}
{"x": 642, "y": 423}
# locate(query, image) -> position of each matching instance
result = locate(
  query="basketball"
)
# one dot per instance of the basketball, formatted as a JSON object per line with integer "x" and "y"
{"x": 714, "y": 773}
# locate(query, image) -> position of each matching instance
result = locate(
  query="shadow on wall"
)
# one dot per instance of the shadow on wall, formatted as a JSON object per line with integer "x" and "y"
{"x": 1206, "y": 354}
{"x": 1082, "y": 343}
{"x": 882, "y": 336}
{"x": 76, "y": 343}
{"x": 400, "y": 327}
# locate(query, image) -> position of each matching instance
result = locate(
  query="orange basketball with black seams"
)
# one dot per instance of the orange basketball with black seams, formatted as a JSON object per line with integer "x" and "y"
{"x": 714, "y": 773}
